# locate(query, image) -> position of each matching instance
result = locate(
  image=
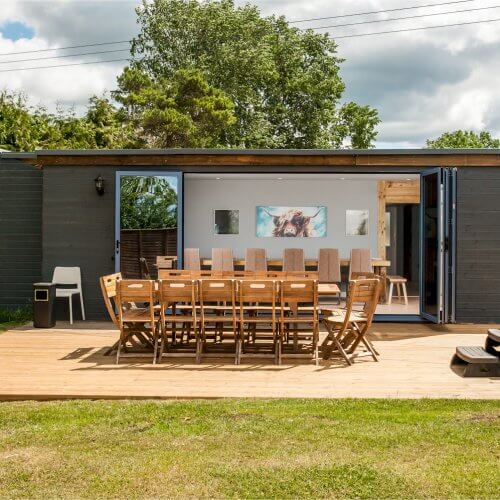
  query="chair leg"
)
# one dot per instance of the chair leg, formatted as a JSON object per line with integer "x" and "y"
{"x": 118, "y": 350}
{"x": 405, "y": 294}
{"x": 370, "y": 347}
{"x": 70, "y": 302}
{"x": 81, "y": 305}
{"x": 156, "y": 338}
{"x": 391, "y": 290}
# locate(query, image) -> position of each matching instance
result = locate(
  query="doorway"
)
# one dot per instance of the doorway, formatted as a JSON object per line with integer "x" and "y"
{"x": 148, "y": 221}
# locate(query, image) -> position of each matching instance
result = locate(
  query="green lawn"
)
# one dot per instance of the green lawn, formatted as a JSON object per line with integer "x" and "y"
{"x": 250, "y": 448}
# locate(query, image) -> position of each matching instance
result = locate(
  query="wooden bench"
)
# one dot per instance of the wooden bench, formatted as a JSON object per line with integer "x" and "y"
{"x": 475, "y": 361}
{"x": 400, "y": 283}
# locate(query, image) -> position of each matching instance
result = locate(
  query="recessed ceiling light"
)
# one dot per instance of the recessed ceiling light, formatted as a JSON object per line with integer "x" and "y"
{"x": 408, "y": 179}
{"x": 280, "y": 178}
{"x": 342, "y": 178}
{"x": 217, "y": 178}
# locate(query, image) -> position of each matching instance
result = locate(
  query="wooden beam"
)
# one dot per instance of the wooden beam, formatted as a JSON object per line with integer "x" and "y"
{"x": 402, "y": 192}
{"x": 229, "y": 159}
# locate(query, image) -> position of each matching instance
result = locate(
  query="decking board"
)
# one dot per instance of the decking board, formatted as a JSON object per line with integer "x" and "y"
{"x": 64, "y": 363}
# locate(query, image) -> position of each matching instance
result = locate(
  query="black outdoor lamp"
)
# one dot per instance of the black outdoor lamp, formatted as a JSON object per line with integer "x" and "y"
{"x": 99, "y": 184}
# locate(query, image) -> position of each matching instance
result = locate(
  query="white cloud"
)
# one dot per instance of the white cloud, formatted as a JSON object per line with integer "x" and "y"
{"x": 422, "y": 82}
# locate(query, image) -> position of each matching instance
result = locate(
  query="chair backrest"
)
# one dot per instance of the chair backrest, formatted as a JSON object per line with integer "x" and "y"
{"x": 222, "y": 259}
{"x": 192, "y": 259}
{"x": 255, "y": 259}
{"x": 363, "y": 295}
{"x": 143, "y": 263}
{"x": 256, "y": 290}
{"x": 217, "y": 290}
{"x": 135, "y": 291}
{"x": 68, "y": 276}
{"x": 165, "y": 262}
{"x": 329, "y": 265}
{"x": 252, "y": 291}
{"x": 178, "y": 290}
{"x": 361, "y": 261}
{"x": 299, "y": 292}
{"x": 293, "y": 259}
{"x": 109, "y": 289}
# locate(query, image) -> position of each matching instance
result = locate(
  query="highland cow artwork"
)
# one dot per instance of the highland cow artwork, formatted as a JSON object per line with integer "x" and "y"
{"x": 291, "y": 222}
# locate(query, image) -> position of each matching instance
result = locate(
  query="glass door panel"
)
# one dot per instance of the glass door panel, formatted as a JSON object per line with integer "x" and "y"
{"x": 148, "y": 221}
{"x": 431, "y": 268}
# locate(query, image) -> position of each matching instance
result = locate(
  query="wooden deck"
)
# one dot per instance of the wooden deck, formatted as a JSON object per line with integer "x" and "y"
{"x": 64, "y": 362}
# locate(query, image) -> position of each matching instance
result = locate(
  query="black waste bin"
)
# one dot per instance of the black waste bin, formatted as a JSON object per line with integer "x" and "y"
{"x": 44, "y": 300}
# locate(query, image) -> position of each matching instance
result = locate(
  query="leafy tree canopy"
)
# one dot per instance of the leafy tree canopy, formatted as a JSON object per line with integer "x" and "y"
{"x": 181, "y": 111}
{"x": 207, "y": 74}
{"x": 462, "y": 139}
{"x": 147, "y": 202}
{"x": 25, "y": 128}
{"x": 284, "y": 82}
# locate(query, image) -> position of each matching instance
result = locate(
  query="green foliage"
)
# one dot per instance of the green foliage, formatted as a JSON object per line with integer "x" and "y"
{"x": 464, "y": 139}
{"x": 9, "y": 318}
{"x": 147, "y": 202}
{"x": 284, "y": 82}
{"x": 25, "y": 128}
{"x": 181, "y": 111}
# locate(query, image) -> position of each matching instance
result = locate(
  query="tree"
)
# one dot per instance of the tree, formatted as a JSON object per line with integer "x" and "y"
{"x": 464, "y": 139}
{"x": 284, "y": 82}
{"x": 147, "y": 202}
{"x": 26, "y": 128}
{"x": 181, "y": 111}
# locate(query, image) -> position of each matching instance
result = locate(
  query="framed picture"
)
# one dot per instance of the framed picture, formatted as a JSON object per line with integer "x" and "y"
{"x": 291, "y": 222}
{"x": 226, "y": 221}
{"x": 356, "y": 222}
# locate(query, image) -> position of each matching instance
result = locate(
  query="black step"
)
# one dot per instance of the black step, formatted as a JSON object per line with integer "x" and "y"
{"x": 494, "y": 334}
{"x": 475, "y": 354}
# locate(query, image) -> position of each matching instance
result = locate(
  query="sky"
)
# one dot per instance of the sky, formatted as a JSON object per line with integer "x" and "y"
{"x": 422, "y": 82}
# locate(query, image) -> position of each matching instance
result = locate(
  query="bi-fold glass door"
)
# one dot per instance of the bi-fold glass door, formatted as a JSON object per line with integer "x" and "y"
{"x": 437, "y": 256}
{"x": 148, "y": 221}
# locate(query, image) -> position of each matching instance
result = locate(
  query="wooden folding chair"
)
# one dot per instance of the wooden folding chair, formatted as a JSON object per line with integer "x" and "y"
{"x": 258, "y": 318}
{"x": 347, "y": 328}
{"x": 299, "y": 318}
{"x": 108, "y": 289}
{"x": 139, "y": 337}
{"x": 129, "y": 294}
{"x": 218, "y": 318}
{"x": 178, "y": 299}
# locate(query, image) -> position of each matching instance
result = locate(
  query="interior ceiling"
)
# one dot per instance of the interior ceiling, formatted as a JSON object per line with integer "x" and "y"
{"x": 306, "y": 177}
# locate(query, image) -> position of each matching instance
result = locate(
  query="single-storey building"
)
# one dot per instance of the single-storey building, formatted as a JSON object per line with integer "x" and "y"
{"x": 432, "y": 216}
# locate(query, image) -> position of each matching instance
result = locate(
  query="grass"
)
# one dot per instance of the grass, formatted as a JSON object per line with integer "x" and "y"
{"x": 250, "y": 449}
{"x": 15, "y": 317}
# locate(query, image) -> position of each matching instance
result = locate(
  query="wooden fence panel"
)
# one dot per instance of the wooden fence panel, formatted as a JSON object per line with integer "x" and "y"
{"x": 147, "y": 243}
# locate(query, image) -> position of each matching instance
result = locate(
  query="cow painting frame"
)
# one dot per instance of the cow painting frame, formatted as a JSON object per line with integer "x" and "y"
{"x": 291, "y": 221}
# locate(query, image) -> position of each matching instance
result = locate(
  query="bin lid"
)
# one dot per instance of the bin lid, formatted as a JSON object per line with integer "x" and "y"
{"x": 44, "y": 284}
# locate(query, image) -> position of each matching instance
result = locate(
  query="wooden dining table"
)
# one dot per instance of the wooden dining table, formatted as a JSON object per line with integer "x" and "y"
{"x": 379, "y": 267}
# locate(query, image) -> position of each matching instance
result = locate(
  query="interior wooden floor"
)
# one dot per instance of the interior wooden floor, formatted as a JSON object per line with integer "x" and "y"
{"x": 69, "y": 362}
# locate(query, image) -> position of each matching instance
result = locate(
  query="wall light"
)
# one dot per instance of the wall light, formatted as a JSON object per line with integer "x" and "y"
{"x": 99, "y": 184}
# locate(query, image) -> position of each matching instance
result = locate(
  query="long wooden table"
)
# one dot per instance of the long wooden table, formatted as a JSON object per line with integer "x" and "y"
{"x": 379, "y": 267}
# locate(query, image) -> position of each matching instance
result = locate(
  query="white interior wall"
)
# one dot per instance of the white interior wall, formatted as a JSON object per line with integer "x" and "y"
{"x": 203, "y": 195}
